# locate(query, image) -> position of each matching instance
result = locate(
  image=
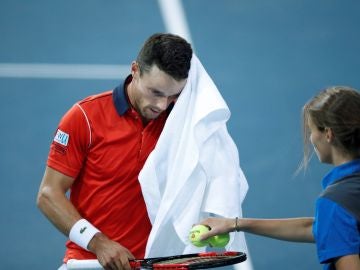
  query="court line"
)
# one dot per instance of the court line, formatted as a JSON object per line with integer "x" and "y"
{"x": 175, "y": 22}
{"x": 64, "y": 71}
{"x": 174, "y": 18}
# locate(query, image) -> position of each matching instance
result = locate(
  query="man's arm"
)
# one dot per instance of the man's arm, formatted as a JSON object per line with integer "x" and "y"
{"x": 53, "y": 202}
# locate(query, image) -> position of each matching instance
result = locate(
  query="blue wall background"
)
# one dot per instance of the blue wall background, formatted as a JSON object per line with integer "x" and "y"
{"x": 267, "y": 58}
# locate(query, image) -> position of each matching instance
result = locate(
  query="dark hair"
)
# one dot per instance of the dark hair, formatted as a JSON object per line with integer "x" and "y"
{"x": 170, "y": 53}
{"x": 337, "y": 108}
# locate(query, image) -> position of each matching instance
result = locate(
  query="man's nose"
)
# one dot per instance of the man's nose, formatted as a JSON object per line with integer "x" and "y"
{"x": 163, "y": 103}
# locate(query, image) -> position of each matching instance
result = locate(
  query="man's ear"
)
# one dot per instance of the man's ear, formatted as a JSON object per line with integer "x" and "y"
{"x": 135, "y": 69}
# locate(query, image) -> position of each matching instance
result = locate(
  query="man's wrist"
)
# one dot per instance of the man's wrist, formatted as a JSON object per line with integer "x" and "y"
{"x": 94, "y": 242}
{"x": 82, "y": 232}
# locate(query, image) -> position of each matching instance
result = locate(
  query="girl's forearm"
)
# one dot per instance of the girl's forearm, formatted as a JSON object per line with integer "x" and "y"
{"x": 289, "y": 229}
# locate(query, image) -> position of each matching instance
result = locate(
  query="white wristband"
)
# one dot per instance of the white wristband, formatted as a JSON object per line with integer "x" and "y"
{"x": 82, "y": 232}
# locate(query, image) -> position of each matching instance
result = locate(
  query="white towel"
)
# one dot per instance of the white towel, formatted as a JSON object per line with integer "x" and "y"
{"x": 194, "y": 169}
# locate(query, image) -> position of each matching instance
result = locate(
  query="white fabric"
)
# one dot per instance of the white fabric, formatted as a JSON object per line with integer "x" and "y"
{"x": 82, "y": 232}
{"x": 193, "y": 170}
{"x": 63, "y": 267}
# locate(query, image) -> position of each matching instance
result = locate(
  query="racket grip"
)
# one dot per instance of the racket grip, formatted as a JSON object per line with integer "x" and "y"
{"x": 135, "y": 264}
{"x": 73, "y": 264}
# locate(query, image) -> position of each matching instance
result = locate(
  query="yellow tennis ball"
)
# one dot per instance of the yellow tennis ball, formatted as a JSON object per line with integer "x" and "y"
{"x": 195, "y": 234}
{"x": 220, "y": 240}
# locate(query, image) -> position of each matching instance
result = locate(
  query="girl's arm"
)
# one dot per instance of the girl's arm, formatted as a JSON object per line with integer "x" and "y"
{"x": 349, "y": 262}
{"x": 289, "y": 229}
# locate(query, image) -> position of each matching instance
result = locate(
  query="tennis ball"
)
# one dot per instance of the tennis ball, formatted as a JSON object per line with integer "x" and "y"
{"x": 220, "y": 240}
{"x": 195, "y": 234}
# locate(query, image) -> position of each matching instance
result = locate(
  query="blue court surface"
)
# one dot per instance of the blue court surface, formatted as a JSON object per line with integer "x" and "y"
{"x": 266, "y": 57}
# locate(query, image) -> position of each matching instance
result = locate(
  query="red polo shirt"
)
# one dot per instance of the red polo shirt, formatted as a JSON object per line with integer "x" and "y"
{"x": 102, "y": 143}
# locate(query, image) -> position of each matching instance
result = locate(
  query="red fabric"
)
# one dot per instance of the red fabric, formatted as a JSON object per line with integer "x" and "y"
{"x": 105, "y": 153}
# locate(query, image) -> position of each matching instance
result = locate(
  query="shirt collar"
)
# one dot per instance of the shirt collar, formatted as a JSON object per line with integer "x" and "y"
{"x": 120, "y": 98}
{"x": 341, "y": 171}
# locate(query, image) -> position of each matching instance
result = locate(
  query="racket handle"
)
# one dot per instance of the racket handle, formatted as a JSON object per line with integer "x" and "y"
{"x": 135, "y": 264}
{"x": 73, "y": 264}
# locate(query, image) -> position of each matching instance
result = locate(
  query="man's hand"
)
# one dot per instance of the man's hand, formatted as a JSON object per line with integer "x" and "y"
{"x": 111, "y": 255}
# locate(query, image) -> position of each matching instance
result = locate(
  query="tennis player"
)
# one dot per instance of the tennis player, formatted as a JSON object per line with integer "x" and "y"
{"x": 99, "y": 148}
{"x": 332, "y": 125}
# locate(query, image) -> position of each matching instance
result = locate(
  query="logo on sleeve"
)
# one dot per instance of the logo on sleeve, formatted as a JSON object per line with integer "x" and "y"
{"x": 61, "y": 137}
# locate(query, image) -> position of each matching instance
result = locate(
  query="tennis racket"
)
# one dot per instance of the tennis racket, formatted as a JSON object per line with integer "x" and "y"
{"x": 180, "y": 262}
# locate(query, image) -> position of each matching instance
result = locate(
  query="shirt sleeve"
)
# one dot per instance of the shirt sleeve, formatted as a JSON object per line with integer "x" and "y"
{"x": 70, "y": 144}
{"x": 336, "y": 231}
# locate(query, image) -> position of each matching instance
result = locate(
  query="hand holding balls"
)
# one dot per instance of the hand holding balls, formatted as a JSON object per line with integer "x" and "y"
{"x": 197, "y": 231}
{"x": 220, "y": 240}
{"x": 195, "y": 234}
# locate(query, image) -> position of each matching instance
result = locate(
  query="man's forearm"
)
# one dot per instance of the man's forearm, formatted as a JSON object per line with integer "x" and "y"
{"x": 58, "y": 209}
